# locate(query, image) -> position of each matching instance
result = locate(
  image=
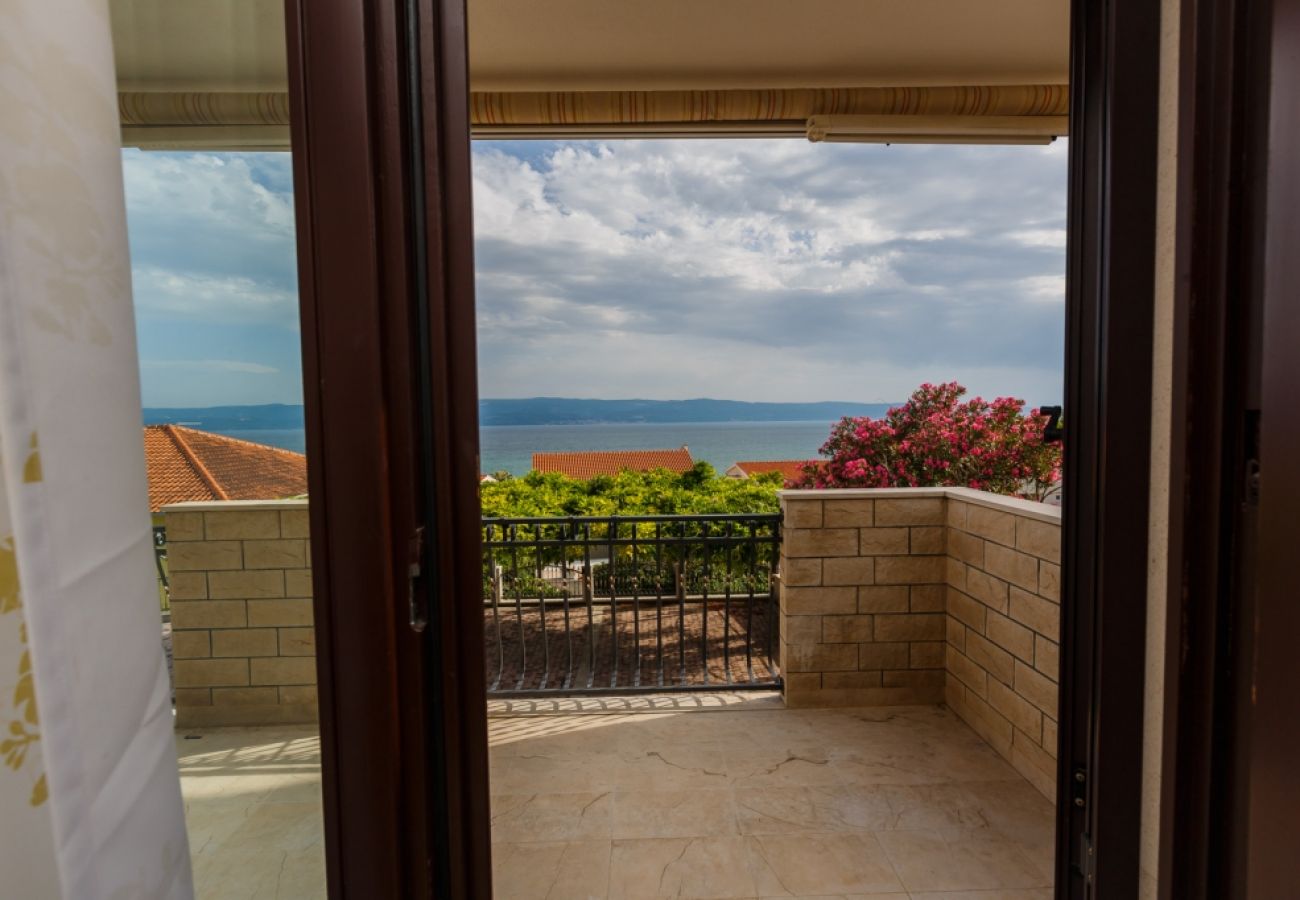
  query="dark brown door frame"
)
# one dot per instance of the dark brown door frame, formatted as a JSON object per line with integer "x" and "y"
{"x": 1212, "y": 388}
{"x": 382, "y": 188}
{"x": 1109, "y": 319}
{"x": 1273, "y": 676}
{"x": 381, "y": 175}
{"x": 1232, "y": 715}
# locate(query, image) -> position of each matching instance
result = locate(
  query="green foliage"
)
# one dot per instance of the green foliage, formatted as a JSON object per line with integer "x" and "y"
{"x": 697, "y": 491}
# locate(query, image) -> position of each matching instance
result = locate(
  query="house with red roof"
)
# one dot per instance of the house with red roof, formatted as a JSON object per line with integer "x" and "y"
{"x": 789, "y": 469}
{"x": 185, "y": 464}
{"x": 586, "y": 464}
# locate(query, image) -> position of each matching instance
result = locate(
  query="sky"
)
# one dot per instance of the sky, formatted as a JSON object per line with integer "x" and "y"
{"x": 748, "y": 270}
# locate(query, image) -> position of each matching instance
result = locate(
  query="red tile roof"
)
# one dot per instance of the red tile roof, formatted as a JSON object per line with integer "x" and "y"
{"x": 790, "y": 469}
{"x": 589, "y": 463}
{"x": 185, "y": 464}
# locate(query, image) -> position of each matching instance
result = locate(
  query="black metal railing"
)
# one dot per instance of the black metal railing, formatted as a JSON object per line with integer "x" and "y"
{"x": 630, "y": 603}
{"x": 160, "y": 563}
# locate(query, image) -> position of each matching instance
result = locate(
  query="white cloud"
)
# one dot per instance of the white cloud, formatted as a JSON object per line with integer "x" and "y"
{"x": 212, "y": 235}
{"x": 754, "y": 270}
{"x": 767, "y": 269}
{"x": 1049, "y": 288}
{"x": 1040, "y": 237}
{"x": 216, "y": 298}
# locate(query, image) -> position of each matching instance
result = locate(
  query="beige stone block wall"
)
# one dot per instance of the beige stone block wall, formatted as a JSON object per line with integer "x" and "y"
{"x": 927, "y": 595}
{"x": 243, "y": 644}
{"x": 1004, "y": 627}
{"x": 861, "y": 597}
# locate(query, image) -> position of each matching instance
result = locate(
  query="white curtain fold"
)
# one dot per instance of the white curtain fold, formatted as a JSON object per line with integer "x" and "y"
{"x": 90, "y": 803}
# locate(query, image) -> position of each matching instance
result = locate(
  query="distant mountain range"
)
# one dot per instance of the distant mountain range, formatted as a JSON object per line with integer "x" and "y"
{"x": 566, "y": 411}
{"x": 541, "y": 411}
{"x": 228, "y": 418}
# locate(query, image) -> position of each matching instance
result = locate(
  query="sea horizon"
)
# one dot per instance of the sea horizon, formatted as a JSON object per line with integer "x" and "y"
{"x": 509, "y": 448}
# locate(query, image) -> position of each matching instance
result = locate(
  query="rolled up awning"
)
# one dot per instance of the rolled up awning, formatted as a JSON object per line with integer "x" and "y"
{"x": 260, "y": 119}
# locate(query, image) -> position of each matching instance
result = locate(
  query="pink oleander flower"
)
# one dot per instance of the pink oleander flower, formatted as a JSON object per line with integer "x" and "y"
{"x": 937, "y": 439}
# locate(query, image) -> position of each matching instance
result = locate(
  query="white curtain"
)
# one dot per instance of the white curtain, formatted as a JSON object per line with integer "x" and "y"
{"x": 90, "y": 803}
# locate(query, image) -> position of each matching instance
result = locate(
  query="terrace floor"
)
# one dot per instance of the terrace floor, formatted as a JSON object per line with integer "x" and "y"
{"x": 253, "y": 812}
{"x": 733, "y": 796}
{"x": 688, "y": 796}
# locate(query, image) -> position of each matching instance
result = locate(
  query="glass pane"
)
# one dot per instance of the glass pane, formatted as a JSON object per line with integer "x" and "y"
{"x": 209, "y": 190}
{"x": 706, "y": 675}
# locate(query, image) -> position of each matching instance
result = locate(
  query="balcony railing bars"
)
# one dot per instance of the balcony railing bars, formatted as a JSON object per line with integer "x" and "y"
{"x": 160, "y": 563}
{"x": 630, "y": 603}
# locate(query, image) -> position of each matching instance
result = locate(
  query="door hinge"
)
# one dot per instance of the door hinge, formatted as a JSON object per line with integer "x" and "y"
{"x": 415, "y": 560}
{"x": 1087, "y": 858}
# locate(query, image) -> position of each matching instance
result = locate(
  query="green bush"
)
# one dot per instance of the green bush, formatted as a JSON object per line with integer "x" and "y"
{"x": 697, "y": 491}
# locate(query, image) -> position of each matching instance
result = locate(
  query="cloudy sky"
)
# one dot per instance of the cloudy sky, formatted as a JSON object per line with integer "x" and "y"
{"x": 749, "y": 270}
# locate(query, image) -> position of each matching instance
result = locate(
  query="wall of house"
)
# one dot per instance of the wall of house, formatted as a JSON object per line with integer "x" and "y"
{"x": 862, "y": 597}
{"x": 243, "y": 644}
{"x": 1004, "y": 626}
{"x": 927, "y": 595}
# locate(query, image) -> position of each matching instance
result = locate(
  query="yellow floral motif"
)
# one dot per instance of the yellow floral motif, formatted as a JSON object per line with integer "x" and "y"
{"x": 8, "y": 577}
{"x": 32, "y": 467}
{"x": 23, "y": 731}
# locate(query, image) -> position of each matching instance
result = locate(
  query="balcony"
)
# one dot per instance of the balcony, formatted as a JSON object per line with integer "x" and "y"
{"x": 909, "y": 751}
{"x": 734, "y": 796}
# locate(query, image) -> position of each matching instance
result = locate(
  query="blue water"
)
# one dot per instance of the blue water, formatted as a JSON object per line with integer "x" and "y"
{"x": 510, "y": 447}
{"x": 294, "y": 439}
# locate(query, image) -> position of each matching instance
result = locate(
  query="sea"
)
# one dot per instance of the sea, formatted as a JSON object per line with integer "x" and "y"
{"x": 509, "y": 448}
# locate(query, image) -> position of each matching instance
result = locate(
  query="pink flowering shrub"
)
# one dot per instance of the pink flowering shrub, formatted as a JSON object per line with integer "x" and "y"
{"x": 934, "y": 439}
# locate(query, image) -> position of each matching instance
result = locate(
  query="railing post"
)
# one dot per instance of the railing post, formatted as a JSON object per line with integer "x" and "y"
{"x": 588, "y": 599}
{"x": 681, "y": 619}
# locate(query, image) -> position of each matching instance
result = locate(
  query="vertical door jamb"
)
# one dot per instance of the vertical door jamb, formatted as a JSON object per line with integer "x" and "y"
{"x": 392, "y": 441}
{"x": 1109, "y": 283}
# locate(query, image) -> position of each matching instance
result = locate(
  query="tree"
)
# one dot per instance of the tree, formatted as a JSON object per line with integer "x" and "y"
{"x": 934, "y": 439}
{"x": 696, "y": 491}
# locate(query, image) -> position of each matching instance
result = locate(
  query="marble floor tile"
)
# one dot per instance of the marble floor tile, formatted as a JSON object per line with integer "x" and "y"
{"x": 780, "y": 765}
{"x": 934, "y": 807}
{"x": 253, "y": 812}
{"x": 521, "y": 818}
{"x": 553, "y": 772}
{"x": 684, "y": 766}
{"x": 697, "y": 813}
{"x": 789, "y": 810}
{"x": 951, "y": 861}
{"x": 575, "y": 870}
{"x": 1020, "y": 812}
{"x": 801, "y": 865}
{"x": 687, "y": 868}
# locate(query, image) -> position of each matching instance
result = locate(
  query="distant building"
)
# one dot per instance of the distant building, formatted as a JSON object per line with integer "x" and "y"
{"x": 590, "y": 463}
{"x": 185, "y": 464}
{"x": 789, "y": 469}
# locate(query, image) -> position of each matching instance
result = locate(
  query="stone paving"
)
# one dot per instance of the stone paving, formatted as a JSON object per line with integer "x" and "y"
{"x": 750, "y": 800}
{"x": 253, "y": 811}
{"x": 688, "y": 796}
